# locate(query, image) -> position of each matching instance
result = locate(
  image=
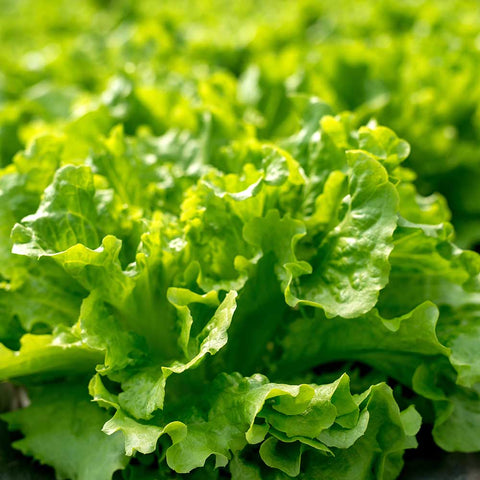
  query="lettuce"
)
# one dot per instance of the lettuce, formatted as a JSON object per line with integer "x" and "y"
{"x": 197, "y": 305}
{"x": 207, "y": 272}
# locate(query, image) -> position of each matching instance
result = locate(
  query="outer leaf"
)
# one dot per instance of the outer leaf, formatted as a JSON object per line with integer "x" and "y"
{"x": 55, "y": 355}
{"x": 62, "y": 428}
{"x": 235, "y": 403}
{"x": 395, "y": 346}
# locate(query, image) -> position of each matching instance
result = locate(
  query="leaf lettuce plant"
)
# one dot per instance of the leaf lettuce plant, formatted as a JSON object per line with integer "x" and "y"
{"x": 199, "y": 302}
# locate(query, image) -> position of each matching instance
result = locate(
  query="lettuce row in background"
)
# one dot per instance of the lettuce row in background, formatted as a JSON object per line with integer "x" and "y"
{"x": 149, "y": 272}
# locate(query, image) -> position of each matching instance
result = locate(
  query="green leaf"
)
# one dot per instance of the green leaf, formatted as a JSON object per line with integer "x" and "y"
{"x": 21, "y": 186}
{"x": 395, "y": 346}
{"x": 140, "y": 437}
{"x": 100, "y": 330}
{"x": 66, "y": 216}
{"x": 384, "y": 144}
{"x": 144, "y": 390}
{"x": 62, "y": 428}
{"x": 378, "y": 453}
{"x": 284, "y": 456}
{"x": 300, "y": 411}
{"x": 56, "y": 355}
{"x": 43, "y": 297}
{"x": 351, "y": 264}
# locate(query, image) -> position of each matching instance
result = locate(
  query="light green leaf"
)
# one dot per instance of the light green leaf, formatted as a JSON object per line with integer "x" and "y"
{"x": 66, "y": 216}
{"x": 55, "y": 355}
{"x": 351, "y": 265}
